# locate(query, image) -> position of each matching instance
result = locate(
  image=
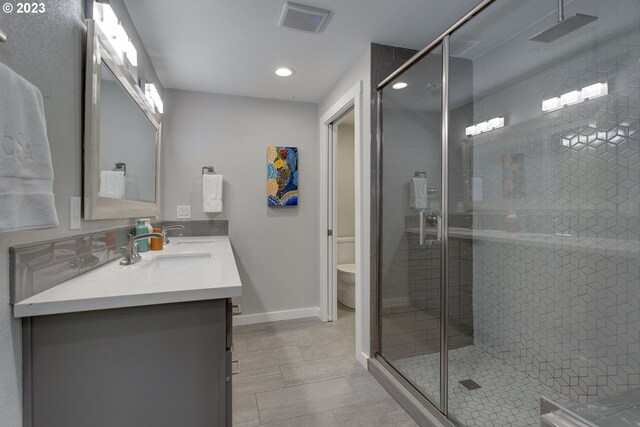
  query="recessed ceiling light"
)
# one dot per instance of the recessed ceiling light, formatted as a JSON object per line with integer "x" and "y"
{"x": 283, "y": 72}
{"x": 399, "y": 85}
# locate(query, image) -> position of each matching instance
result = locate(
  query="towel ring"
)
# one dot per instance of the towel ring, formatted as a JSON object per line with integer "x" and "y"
{"x": 209, "y": 169}
{"x": 122, "y": 166}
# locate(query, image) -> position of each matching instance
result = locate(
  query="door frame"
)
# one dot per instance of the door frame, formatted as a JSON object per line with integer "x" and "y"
{"x": 328, "y": 214}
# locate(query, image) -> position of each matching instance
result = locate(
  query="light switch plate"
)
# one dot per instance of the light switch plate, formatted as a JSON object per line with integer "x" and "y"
{"x": 75, "y": 208}
{"x": 184, "y": 212}
{"x": 460, "y": 207}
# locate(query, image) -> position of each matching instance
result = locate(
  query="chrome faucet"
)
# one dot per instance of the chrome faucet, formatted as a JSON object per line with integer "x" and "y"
{"x": 131, "y": 255}
{"x": 169, "y": 228}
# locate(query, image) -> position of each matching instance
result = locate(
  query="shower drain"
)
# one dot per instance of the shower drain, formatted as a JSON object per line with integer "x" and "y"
{"x": 470, "y": 384}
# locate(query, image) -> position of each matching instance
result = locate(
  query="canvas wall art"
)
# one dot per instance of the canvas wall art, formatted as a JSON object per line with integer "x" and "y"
{"x": 282, "y": 176}
{"x": 513, "y": 175}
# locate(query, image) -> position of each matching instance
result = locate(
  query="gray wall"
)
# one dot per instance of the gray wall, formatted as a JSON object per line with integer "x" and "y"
{"x": 276, "y": 248}
{"x": 48, "y": 50}
{"x": 346, "y": 182}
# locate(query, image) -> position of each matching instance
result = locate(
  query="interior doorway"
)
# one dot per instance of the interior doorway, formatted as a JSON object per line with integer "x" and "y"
{"x": 344, "y": 117}
{"x": 344, "y": 227}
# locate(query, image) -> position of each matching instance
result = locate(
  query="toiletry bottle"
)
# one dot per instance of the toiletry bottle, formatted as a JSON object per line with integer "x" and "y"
{"x": 157, "y": 243}
{"x": 143, "y": 244}
{"x": 147, "y": 222}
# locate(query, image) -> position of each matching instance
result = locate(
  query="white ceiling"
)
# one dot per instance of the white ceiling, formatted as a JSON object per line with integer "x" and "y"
{"x": 233, "y": 46}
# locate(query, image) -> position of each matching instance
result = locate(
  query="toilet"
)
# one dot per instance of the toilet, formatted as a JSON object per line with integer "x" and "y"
{"x": 347, "y": 271}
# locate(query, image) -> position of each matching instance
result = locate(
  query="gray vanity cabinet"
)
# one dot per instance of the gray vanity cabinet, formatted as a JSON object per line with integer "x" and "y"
{"x": 157, "y": 365}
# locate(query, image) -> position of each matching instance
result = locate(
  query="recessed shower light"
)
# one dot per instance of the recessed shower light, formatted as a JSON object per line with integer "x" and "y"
{"x": 399, "y": 85}
{"x": 283, "y": 72}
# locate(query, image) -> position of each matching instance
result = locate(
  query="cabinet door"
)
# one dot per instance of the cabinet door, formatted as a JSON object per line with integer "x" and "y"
{"x": 154, "y": 366}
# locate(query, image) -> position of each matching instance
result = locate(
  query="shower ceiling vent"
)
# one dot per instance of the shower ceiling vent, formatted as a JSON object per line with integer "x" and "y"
{"x": 303, "y": 18}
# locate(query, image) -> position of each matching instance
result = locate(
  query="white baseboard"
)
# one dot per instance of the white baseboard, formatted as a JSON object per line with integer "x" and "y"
{"x": 363, "y": 359}
{"x": 299, "y": 313}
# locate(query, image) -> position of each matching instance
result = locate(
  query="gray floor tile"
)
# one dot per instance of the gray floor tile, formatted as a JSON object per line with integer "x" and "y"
{"x": 245, "y": 411}
{"x": 251, "y": 381}
{"x": 382, "y": 412}
{"x": 267, "y": 358}
{"x": 318, "y": 369}
{"x": 305, "y": 399}
{"x": 395, "y": 418}
{"x": 303, "y": 373}
{"x": 320, "y": 419}
{"x": 270, "y": 339}
{"x": 322, "y": 349}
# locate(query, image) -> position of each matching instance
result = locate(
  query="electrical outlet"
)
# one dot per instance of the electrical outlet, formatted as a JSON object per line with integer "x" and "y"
{"x": 75, "y": 208}
{"x": 184, "y": 212}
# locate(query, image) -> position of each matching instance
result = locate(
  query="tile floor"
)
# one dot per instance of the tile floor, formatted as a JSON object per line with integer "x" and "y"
{"x": 303, "y": 373}
{"x": 507, "y": 397}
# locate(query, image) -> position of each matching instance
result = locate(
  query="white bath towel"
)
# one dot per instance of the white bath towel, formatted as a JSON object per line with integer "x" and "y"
{"x": 418, "y": 193}
{"x": 212, "y": 193}
{"x": 112, "y": 184}
{"x": 26, "y": 172}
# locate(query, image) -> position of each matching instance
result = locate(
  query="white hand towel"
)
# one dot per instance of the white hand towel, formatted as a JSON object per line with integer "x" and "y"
{"x": 212, "y": 193}
{"x": 476, "y": 189}
{"x": 26, "y": 172}
{"x": 418, "y": 193}
{"x": 112, "y": 184}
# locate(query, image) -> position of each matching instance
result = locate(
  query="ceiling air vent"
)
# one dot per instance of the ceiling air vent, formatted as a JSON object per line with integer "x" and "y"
{"x": 303, "y": 18}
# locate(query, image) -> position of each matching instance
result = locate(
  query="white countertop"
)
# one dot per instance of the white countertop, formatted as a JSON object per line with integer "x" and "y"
{"x": 115, "y": 286}
{"x": 603, "y": 246}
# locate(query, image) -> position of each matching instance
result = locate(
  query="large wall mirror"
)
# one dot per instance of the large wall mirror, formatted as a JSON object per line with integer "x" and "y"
{"x": 122, "y": 139}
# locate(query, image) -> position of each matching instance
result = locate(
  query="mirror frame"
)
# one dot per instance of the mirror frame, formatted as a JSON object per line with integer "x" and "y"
{"x": 96, "y": 207}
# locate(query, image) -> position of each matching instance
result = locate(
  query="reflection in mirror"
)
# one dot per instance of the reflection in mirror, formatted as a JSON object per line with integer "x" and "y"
{"x": 122, "y": 138}
{"x": 128, "y": 147}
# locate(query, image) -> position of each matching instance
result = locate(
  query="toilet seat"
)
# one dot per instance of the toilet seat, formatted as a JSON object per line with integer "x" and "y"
{"x": 347, "y": 268}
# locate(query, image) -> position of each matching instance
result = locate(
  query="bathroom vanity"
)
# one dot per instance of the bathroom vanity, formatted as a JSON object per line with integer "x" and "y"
{"x": 146, "y": 344}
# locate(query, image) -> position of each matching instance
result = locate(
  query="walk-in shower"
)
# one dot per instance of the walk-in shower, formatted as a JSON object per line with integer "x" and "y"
{"x": 512, "y": 272}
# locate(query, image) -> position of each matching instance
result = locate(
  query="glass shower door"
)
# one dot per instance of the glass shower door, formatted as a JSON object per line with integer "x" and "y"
{"x": 410, "y": 249}
{"x": 544, "y": 179}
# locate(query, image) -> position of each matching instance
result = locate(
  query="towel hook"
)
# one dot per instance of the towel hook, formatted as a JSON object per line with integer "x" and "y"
{"x": 209, "y": 169}
{"x": 3, "y": 36}
{"x": 122, "y": 166}
{"x": 418, "y": 173}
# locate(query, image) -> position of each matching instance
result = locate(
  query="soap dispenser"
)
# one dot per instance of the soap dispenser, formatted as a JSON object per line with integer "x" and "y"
{"x": 141, "y": 228}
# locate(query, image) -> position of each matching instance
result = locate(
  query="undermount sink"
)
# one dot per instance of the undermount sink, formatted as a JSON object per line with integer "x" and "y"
{"x": 179, "y": 260}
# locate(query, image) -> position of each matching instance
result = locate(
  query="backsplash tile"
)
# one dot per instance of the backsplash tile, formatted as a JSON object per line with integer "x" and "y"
{"x": 37, "y": 267}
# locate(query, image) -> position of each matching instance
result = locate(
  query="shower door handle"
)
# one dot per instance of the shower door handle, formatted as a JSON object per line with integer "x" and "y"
{"x": 439, "y": 228}
{"x": 421, "y": 227}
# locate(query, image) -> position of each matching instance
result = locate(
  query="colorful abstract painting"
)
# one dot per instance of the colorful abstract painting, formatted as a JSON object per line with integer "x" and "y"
{"x": 282, "y": 176}
{"x": 513, "y": 175}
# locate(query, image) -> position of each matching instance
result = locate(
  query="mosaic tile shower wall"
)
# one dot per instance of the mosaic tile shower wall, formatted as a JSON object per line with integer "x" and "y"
{"x": 564, "y": 308}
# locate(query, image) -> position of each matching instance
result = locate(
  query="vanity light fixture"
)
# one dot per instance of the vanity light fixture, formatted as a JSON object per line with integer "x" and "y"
{"x": 551, "y": 104}
{"x": 154, "y": 97}
{"x": 284, "y": 72}
{"x": 132, "y": 53}
{"x": 575, "y": 97}
{"x": 114, "y": 32}
{"x": 595, "y": 91}
{"x": 482, "y": 127}
{"x": 399, "y": 85}
{"x": 570, "y": 98}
